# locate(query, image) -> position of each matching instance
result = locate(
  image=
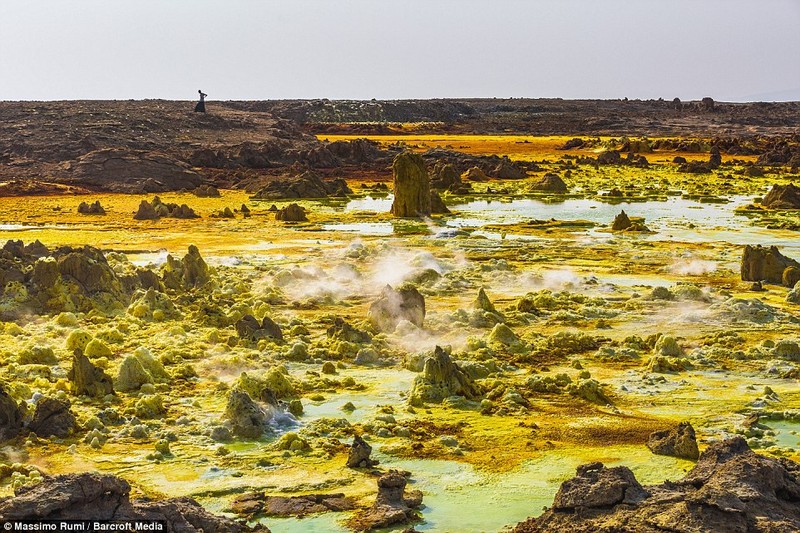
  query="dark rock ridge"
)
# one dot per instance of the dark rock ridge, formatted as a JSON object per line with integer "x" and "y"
{"x": 131, "y": 171}
{"x": 680, "y": 441}
{"x": 306, "y": 185}
{"x": 622, "y": 222}
{"x": 782, "y": 197}
{"x": 90, "y": 496}
{"x": 393, "y": 505}
{"x": 259, "y": 504}
{"x": 392, "y": 306}
{"x": 412, "y": 187}
{"x": 765, "y": 264}
{"x": 730, "y": 490}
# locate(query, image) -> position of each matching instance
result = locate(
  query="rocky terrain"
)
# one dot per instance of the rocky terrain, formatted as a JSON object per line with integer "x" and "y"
{"x": 229, "y": 323}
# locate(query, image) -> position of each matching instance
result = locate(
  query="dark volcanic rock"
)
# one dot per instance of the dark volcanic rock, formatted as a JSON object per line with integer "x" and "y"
{"x": 730, "y": 490}
{"x": 10, "y": 417}
{"x": 90, "y": 496}
{"x": 507, "y": 170}
{"x": 550, "y": 183}
{"x": 405, "y": 303}
{"x": 88, "y": 379}
{"x": 392, "y": 506}
{"x": 146, "y": 211}
{"x": 677, "y": 442}
{"x": 359, "y": 454}
{"x": 441, "y": 378}
{"x": 306, "y": 185}
{"x": 292, "y": 213}
{"x": 474, "y": 174}
{"x": 248, "y": 328}
{"x": 206, "y": 191}
{"x": 782, "y": 197}
{"x": 765, "y": 264}
{"x": 257, "y": 504}
{"x": 157, "y": 209}
{"x": 52, "y": 418}
{"x": 131, "y": 171}
{"x": 412, "y": 196}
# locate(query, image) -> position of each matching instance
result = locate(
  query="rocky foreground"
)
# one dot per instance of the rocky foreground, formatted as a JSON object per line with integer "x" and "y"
{"x": 105, "y": 497}
{"x": 731, "y": 489}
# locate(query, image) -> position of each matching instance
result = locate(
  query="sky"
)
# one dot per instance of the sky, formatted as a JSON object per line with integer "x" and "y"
{"x": 730, "y": 50}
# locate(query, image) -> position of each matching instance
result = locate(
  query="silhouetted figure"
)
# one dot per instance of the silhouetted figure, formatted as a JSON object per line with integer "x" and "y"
{"x": 201, "y": 105}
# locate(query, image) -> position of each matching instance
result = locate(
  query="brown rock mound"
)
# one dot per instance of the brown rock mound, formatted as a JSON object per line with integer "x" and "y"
{"x": 474, "y": 174}
{"x": 131, "y": 171}
{"x": 359, "y": 456}
{"x": 292, "y": 213}
{"x": 550, "y": 183}
{"x": 680, "y": 441}
{"x": 782, "y": 197}
{"x": 412, "y": 188}
{"x": 89, "y": 496}
{"x": 392, "y": 506}
{"x": 306, "y": 185}
{"x": 91, "y": 209}
{"x": 52, "y": 418}
{"x": 765, "y": 264}
{"x": 156, "y": 209}
{"x": 731, "y": 489}
{"x": 250, "y": 329}
{"x": 88, "y": 379}
{"x": 437, "y": 204}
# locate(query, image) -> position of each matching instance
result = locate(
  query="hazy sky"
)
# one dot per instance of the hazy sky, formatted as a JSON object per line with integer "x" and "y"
{"x": 259, "y": 49}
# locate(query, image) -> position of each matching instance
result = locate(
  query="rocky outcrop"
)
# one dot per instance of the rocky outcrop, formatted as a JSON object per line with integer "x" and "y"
{"x": 248, "y": 328}
{"x": 10, "y": 416}
{"x": 91, "y": 209}
{"x": 87, "y": 379}
{"x": 445, "y": 176}
{"x": 256, "y": 504}
{"x": 246, "y": 418}
{"x": 306, "y": 185}
{"x": 405, "y": 303}
{"x": 474, "y": 174}
{"x": 679, "y": 441}
{"x": 412, "y": 194}
{"x": 206, "y": 191}
{"x": 90, "y": 496}
{"x": 157, "y": 209}
{"x": 292, "y": 213}
{"x": 131, "y": 171}
{"x": 782, "y": 197}
{"x": 438, "y": 206}
{"x": 731, "y": 489}
{"x": 624, "y": 223}
{"x": 359, "y": 456}
{"x": 393, "y": 505}
{"x": 551, "y": 183}
{"x": 191, "y": 272}
{"x": 440, "y": 379}
{"x": 52, "y": 417}
{"x": 765, "y": 264}
{"x": 507, "y": 170}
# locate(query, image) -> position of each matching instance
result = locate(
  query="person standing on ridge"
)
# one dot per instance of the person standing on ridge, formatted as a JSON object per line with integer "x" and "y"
{"x": 201, "y": 105}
